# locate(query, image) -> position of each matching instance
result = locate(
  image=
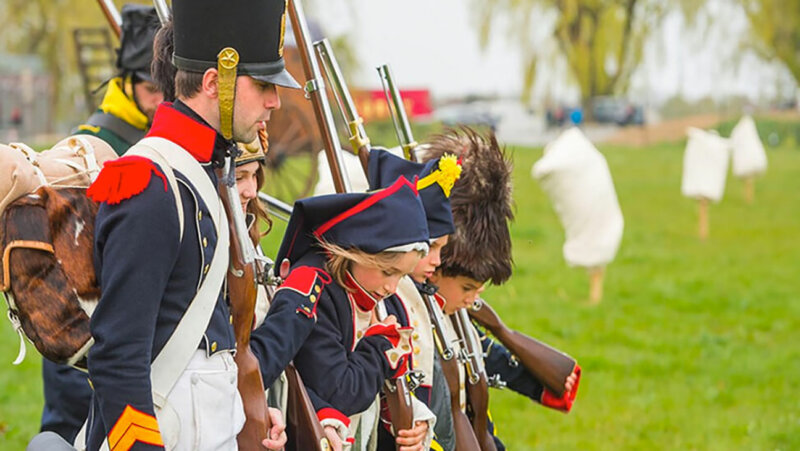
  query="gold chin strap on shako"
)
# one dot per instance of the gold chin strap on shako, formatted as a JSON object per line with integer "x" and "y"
{"x": 227, "y": 60}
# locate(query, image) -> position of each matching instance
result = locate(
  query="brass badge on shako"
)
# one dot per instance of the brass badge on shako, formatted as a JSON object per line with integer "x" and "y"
{"x": 283, "y": 28}
{"x": 227, "y": 60}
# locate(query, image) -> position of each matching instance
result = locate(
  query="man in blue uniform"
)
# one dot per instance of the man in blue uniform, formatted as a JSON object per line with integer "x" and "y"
{"x": 162, "y": 329}
{"x": 126, "y": 111}
{"x": 132, "y": 96}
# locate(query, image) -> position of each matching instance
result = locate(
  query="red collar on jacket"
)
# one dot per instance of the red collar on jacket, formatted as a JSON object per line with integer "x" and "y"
{"x": 198, "y": 139}
{"x": 363, "y": 298}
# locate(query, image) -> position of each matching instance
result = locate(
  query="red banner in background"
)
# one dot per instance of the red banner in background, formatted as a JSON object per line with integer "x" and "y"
{"x": 371, "y": 104}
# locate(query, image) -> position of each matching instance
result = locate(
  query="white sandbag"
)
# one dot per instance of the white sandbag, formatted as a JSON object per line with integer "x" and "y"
{"x": 705, "y": 165}
{"x": 352, "y": 165}
{"x": 749, "y": 157}
{"x": 575, "y": 176}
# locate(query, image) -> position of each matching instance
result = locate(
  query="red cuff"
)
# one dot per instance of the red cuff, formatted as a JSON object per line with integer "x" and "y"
{"x": 331, "y": 413}
{"x": 563, "y": 403}
{"x": 391, "y": 333}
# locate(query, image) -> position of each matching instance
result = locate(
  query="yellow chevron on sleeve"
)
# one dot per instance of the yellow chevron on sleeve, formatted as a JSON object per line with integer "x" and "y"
{"x": 435, "y": 446}
{"x": 133, "y": 426}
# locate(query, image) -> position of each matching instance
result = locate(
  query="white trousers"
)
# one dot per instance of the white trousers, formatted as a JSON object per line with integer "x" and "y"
{"x": 206, "y": 404}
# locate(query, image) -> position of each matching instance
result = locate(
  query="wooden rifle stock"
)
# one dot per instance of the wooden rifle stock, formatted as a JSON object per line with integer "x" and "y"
{"x": 477, "y": 383}
{"x": 550, "y": 366}
{"x": 242, "y": 290}
{"x": 398, "y": 399}
{"x": 305, "y": 431}
{"x": 315, "y": 91}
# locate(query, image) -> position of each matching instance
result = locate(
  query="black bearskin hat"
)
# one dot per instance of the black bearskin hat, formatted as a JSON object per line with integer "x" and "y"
{"x": 481, "y": 201}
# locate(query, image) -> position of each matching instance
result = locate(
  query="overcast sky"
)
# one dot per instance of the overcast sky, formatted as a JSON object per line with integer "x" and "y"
{"x": 433, "y": 44}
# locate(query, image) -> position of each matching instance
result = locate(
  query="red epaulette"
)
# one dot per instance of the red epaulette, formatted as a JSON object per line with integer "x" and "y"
{"x": 123, "y": 178}
{"x": 307, "y": 281}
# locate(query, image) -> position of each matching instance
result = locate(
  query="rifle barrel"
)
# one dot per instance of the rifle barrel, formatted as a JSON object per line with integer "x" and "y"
{"x": 277, "y": 207}
{"x": 355, "y": 124}
{"x": 162, "y": 9}
{"x": 398, "y": 112}
{"x": 112, "y": 15}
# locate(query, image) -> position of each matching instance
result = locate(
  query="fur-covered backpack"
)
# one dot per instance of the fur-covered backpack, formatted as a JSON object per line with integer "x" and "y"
{"x": 47, "y": 235}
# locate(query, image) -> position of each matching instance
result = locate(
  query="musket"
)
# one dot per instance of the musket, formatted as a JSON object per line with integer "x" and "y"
{"x": 315, "y": 91}
{"x": 477, "y": 381}
{"x": 308, "y": 433}
{"x": 466, "y": 434}
{"x": 355, "y": 124}
{"x": 243, "y": 291}
{"x": 550, "y": 366}
{"x": 396, "y": 390}
{"x": 112, "y": 16}
{"x": 277, "y": 207}
{"x": 302, "y": 425}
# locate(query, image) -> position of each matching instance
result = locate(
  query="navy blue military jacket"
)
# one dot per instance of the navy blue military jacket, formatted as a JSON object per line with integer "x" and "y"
{"x": 344, "y": 372}
{"x": 148, "y": 276}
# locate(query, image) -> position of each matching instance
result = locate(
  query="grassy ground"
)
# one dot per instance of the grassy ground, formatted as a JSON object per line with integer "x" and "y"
{"x": 693, "y": 347}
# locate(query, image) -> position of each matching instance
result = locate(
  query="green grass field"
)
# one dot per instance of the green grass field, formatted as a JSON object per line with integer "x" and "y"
{"x": 695, "y": 345}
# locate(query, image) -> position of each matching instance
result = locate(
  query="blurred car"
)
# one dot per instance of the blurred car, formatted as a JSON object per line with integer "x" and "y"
{"x": 466, "y": 114}
{"x": 613, "y": 110}
{"x": 560, "y": 115}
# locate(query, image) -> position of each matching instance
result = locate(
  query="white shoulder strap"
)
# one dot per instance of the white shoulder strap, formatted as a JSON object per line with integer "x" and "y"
{"x": 176, "y": 353}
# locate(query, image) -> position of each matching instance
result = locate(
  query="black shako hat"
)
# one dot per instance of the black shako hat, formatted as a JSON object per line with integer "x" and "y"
{"x": 435, "y": 180}
{"x": 365, "y": 221}
{"x": 254, "y": 28}
{"x": 135, "y": 53}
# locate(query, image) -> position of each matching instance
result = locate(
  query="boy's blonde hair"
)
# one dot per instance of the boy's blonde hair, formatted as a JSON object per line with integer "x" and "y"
{"x": 340, "y": 260}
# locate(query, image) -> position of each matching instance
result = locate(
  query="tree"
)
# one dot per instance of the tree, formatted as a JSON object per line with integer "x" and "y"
{"x": 601, "y": 40}
{"x": 776, "y": 25}
{"x": 44, "y": 28}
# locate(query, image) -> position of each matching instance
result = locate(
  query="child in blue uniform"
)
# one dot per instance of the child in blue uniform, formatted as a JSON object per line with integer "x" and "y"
{"x": 347, "y": 253}
{"x": 435, "y": 181}
{"x": 479, "y": 252}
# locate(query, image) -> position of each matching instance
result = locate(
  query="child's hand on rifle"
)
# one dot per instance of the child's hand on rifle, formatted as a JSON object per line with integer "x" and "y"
{"x": 333, "y": 438}
{"x": 570, "y": 381}
{"x": 413, "y": 439}
{"x": 277, "y": 433}
{"x": 388, "y": 321}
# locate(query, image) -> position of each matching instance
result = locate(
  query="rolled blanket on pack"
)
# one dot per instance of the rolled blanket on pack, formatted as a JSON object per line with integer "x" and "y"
{"x": 19, "y": 176}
